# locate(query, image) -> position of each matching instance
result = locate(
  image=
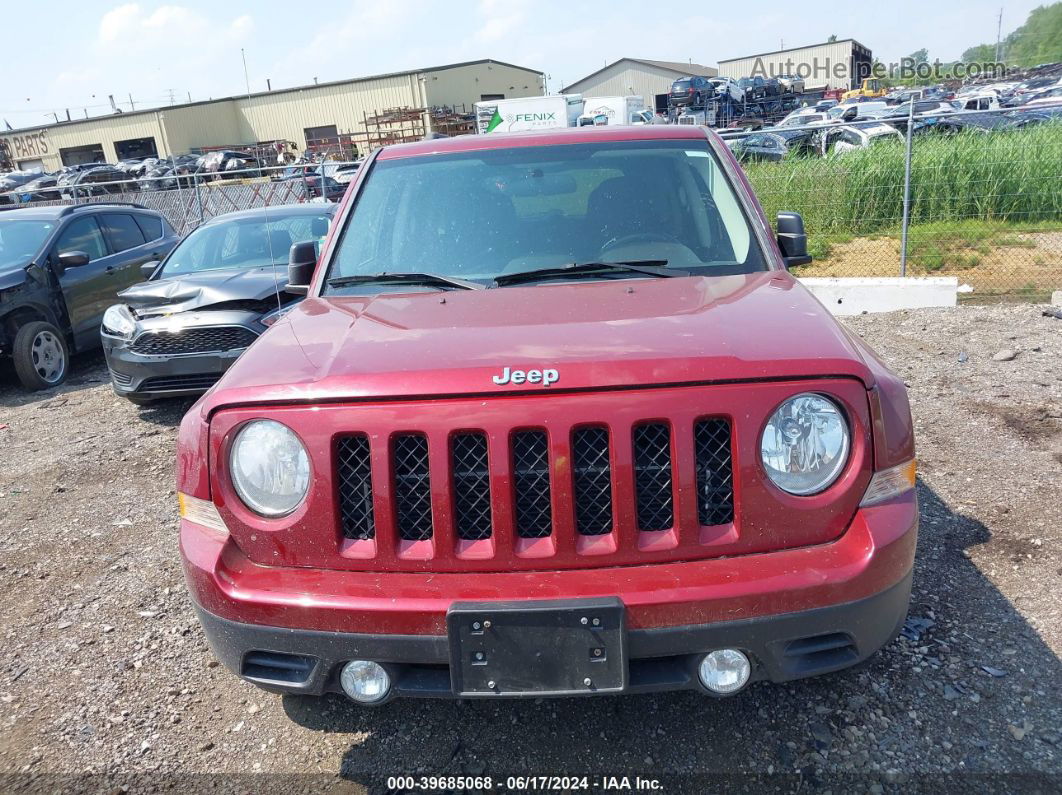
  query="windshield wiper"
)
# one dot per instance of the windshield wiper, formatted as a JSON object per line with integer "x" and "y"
{"x": 427, "y": 279}
{"x": 649, "y": 267}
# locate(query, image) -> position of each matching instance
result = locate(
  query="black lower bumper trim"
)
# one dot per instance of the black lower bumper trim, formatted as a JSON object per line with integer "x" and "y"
{"x": 782, "y": 647}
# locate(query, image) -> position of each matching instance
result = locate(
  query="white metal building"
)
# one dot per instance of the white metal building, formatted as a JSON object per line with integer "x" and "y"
{"x": 627, "y": 77}
{"x": 835, "y": 64}
{"x": 318, "y": 112}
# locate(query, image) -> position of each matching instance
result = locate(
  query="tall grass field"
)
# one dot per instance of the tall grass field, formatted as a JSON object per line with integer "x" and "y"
{"x": 1004, "y": 176}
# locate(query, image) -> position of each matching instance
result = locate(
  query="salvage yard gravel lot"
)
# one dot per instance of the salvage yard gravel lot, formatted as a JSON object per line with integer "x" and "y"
{"x": 106, "y": 682}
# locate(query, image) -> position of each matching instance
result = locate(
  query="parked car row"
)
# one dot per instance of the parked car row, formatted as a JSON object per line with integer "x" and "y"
{"x": 858, "y": 125}
{"x": 159, "y": 174}
{"x": 171, "y": 317}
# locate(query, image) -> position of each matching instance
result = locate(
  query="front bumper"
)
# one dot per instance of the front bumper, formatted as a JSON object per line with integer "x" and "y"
{"x": 178, "y": 375}
{"x": 797, "y": 612}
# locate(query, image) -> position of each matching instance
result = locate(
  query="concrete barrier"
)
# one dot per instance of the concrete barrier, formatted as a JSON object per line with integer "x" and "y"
{"x": 853, "y": 296}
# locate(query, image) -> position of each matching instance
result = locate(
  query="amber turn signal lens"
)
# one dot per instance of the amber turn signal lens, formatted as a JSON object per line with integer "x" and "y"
{"x": 889, "y": 483}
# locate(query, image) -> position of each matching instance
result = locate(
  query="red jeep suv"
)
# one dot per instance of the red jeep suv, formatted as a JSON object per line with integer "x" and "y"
{"x": 554, "y": 419}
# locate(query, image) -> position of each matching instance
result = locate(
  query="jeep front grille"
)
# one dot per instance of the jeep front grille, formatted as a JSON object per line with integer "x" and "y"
{"x": 652, "y": 476}
{"x": 592, "y": 476}
{"x": 354, "y": 475}
{"x": 531, "y": 492}
{"x": 522, "y": 484}
{"x": 715, "y": 475}
{"x": 412, "y": 485}
{"x": 471, "y": 484}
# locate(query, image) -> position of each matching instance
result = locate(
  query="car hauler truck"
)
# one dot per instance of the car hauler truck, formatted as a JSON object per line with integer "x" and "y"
{"x": 528, "y": 113}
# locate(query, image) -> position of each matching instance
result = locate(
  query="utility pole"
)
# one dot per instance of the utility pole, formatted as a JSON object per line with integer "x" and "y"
{"x": 246, "y": 79}
{"x": 170, "y": 92}
{"x": 131, "y": 105}
{"x": 999, "y": 35}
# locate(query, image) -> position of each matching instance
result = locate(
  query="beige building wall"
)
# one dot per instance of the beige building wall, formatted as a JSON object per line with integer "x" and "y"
{"x": 821, "y": 59}
{"x": 464, "y": 85}
{"x": 628, "y": 78}
{"x": 43, "y": 144}
{"x": 193, "y": 126}
{"x": 284, "y": 114}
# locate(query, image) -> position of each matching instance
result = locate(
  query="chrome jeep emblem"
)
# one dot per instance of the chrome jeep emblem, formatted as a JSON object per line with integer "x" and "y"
{"x": 509, "y": 376}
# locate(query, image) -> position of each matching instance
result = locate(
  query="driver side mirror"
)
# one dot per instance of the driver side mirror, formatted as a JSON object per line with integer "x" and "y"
{"x": 792, "y": 241}
{"x": 302, "y": 261}
{"x": 73, "y": 259}
{"x": 148, "y": 268}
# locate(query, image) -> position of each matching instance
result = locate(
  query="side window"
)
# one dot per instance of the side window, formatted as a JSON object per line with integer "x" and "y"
{"x": 121, "y": 231}
{"x": 150, "y": 225}
{"x": 83, "y": 234}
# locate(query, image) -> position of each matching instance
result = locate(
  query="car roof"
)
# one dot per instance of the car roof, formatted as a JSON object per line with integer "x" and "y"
{"x": 55, "y": 212}
{"x": 550, "y": 137}
{"x": 265, "y": 212}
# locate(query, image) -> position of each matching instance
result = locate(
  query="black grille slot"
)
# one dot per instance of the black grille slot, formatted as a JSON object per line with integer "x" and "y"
{"x": 715, "y": 476}
{"x": 354, "y": 475}
{"x": 206, "y": 339}
{"x": 592, "y": 475}
{"x": 409, "y": 462}
{"x": 165, "y": 383}
{"x": 534, "y": 518}
{"x": 652, "y": 476}
{"x": 468, "y": 463}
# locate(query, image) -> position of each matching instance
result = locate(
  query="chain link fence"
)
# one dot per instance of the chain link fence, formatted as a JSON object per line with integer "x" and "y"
{"x": 190, "y": 199}
{"x": 983, "y": 200}
{"x": 973, "y": 195}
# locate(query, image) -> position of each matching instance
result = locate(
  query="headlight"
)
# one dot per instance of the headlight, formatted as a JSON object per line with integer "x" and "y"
{"x": 270, "y": 468}
{"x": 119, "y": 322}
{"x": 805, "y": 444}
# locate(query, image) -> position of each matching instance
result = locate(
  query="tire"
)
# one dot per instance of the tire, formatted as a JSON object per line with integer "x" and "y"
{"x": 139, "y": 400}
{"x": 40, "y": 355}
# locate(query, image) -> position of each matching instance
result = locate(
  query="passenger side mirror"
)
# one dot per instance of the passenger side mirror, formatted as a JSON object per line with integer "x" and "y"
{"x": 73, "y": 259}
{"x": 792, "y": 241}
{"x": 302, "y": 260}
{"x": 148, "y": 268}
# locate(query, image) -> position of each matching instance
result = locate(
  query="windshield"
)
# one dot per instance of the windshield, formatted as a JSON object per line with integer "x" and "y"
{"x": 478, "y": 215}
{"x": 245, "y": 243}
{"x": 21, "y": 240}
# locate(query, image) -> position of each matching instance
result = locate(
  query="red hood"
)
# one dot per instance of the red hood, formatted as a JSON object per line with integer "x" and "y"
{"x": 620, "y": 333}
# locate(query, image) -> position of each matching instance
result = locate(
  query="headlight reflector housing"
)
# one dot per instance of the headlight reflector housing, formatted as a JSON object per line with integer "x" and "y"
{"x": 805, "y": 444}
{"x": 270, "y": 468}
{"x": 118, "y": 321}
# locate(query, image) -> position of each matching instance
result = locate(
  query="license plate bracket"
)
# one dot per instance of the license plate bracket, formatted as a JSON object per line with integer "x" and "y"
{"x": 539, "y": 648}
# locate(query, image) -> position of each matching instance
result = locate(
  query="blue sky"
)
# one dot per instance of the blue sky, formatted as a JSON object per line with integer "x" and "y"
{"x": 88, "y": 49}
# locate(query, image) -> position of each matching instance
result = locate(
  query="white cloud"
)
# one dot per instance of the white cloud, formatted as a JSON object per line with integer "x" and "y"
{"x": 500, "y": 18}
{"x": 136, "y": 29}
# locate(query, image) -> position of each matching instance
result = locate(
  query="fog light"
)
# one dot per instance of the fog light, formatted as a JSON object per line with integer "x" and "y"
{"x": 365, "y": 681}
{"x": 724, "y": 670}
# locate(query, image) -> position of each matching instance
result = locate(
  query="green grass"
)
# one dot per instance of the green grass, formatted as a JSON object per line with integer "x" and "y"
{"x": 958, "y": 182}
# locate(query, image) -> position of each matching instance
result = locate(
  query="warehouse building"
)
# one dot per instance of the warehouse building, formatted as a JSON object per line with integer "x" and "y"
{"x": 629, "y": 77}
{"x": 835, "y": 64}
{"x": 314, "y": 115}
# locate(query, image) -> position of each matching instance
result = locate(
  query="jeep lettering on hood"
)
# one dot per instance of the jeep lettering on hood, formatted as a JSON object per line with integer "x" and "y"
{"x": 544, "y": 377}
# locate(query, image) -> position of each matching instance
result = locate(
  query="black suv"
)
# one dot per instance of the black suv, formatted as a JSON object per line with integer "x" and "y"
{"x": 692, "y": 91}
{"x": 60, "y": 268}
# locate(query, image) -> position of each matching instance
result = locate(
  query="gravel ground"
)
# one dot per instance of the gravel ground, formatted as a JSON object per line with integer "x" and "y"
{"x": 106, "y": 682}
